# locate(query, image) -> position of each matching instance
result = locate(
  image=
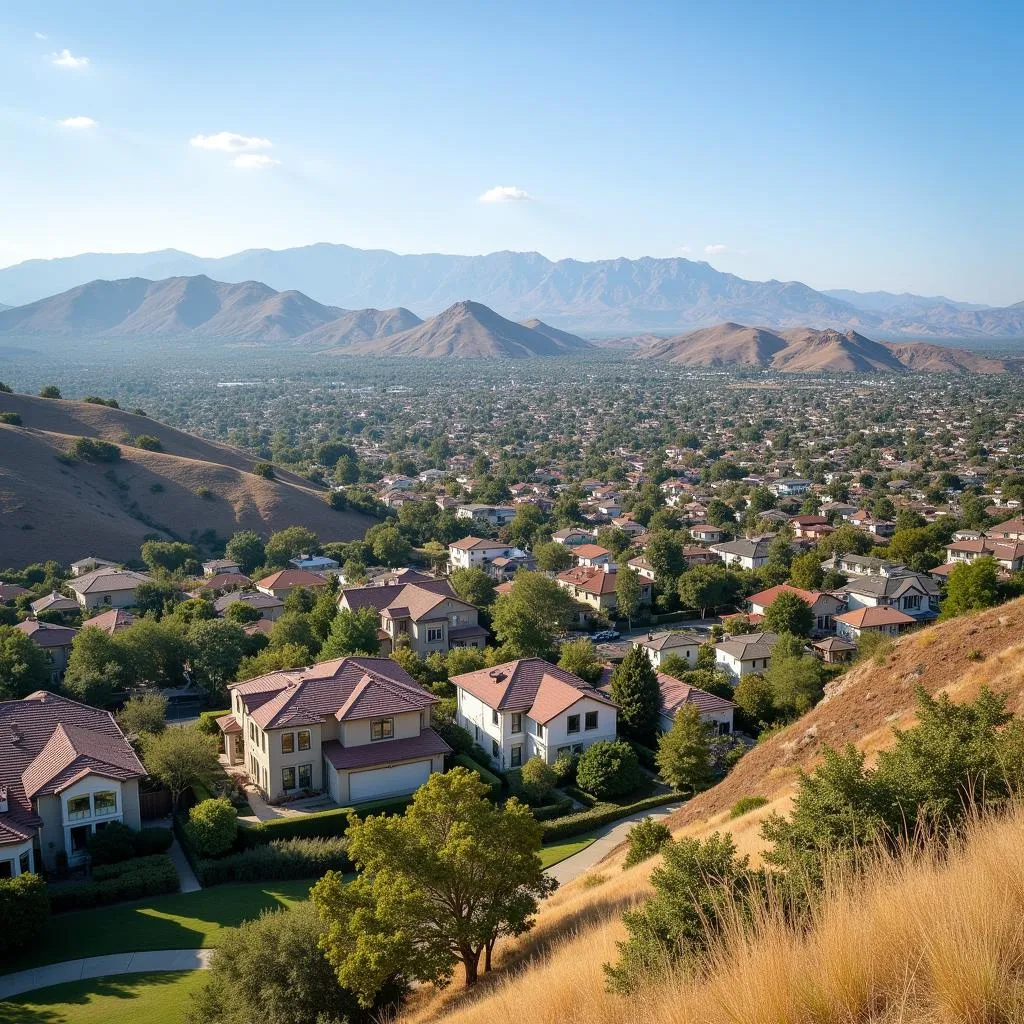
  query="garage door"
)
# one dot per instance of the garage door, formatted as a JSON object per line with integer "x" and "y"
{"x": 380, "y": 782}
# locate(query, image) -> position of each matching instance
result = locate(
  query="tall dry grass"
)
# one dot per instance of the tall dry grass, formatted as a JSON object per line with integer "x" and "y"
{"x": 929, "y": 940}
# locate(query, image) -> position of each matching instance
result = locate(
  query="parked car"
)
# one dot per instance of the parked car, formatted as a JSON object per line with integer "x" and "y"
{"x": 606, "y": 636}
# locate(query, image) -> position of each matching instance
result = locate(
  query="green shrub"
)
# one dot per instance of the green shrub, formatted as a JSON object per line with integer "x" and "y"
{"x": 486, "y": 774}
{"x": 114, "y": 844}
{"x": 149, "y": 443}
{"x": 601, "y": 814}
{"x": 24, "y": 908}
{"x": 277, "y": 860}
{"x": 104, "y": 872}
{"x": 89, "y": 449}
{"x": 647, "y": 757}
{"x": 746, "y": 804}
{"x": 152, "y": 840}
{"x": 329, "y": 823}
{"x": 538, "y": 779}
{"x": 208, "y": 719}
{"x": 557, "y": 809}
{"x": 581, "y": 796}
{"x": 157, "y": 877}
{"x": 608, "y": 768}
{"x": 11, "y": 418}
{"x": 645, "y": 839}
{"x": 565, "y": 768}
{"x": 212, "y": 826}
{"x": 264, "y": 469}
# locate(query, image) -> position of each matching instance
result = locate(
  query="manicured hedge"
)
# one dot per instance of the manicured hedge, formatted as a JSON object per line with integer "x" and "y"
{"x": 118, "y": 843}
{"x": 557, "y": 809}
{"x": 328, "y": 823}
{"x": 647, "y": 757}
{"x": 104, "y": 872}
{"x": 488, "y": 776}
{"x": 601, "y": 814}
{"x": 24, "y": 908}
{"x": 276, "y": 861}
{"x": 156, "y": 877}
{"x": 152, "y": 840}
{"x": 208, "y": 721}
{"x": 581, "y": 796}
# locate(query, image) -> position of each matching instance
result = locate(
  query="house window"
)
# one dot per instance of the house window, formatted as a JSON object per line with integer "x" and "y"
{"x": 305, "y": 776}
{"x": 6, "y": 868}
{"x": 288, "y": 778}
{"x": 494, "y": 717}
{"x": 25, "y": 863}
{"x": 80, "y": 838}
{"x": 495, "y": 749}
{"x": 435, "y": 634}
{"x": 304, "y": 741}
{"x": 517, "y": 755}
{"x": 105, "y": 802}
{"x": 382, "y": 729}
{"x": 287, "y": 743}
{"x": 252, "y": 732}
{"x": 572, "y": 723}
{"x": 591, "y": 720}
{"x": 912, "y": 601}
{"x": 540, "y": 730}
{"x": 79, "y": 807}
{"x": 517, "y": 721}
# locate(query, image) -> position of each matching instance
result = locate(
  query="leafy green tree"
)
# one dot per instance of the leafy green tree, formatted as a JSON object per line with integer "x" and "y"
{"x": 156, "y": 598}
{"x": 247, "y": 549}
{"x": 352, "y": 633}
{"x": 212, "y": 826}
{"x": 527, "y": 524}
{"x": 581, "y": 659}
{"x": 755, "y": 697}
{"x": 789, "y": 613}
{"x": 50, "y": 391}
{"x": 95, "y": 667}
{"x": 796, "y": 684}
{"x": 538, "y": 779}
{"x": 153, "y": 652}
{"x": 24, "y": 667}
{"x": 217, "y": 648}
{"x": 553, "y": 557}
{"x": 634, "y": 687}
{"x": 527, "y": 619}
{"x": 293, "y": 628}
{"x": 463, "y": 659}
{"x": 664, "y": 551}
{"x": 684, "y": 752}
{"x": 287, "y": 544}
{"x": 321, "y": 615}
{"x": 169, "y": 556}
{"x": 474, "y": 586}
{"x": 708, "y": 586}
{"x": 608, "y": 768}
{"x": 242, "y": 613}
{"x": 645, "y": 839}
{"x": 436, "y": 887}
{"x": 272, "y": 659}
{"x": 971, "y": 586}
{"x": 144, "y": 713}
{"x": 388, "y": 545}
{"x": 180, "y": 758}
{"x": 195, "y": 609}
{"x": 24, "y": 911}
{"x": 805, "y": 571}
{"x": 628, "y": 593}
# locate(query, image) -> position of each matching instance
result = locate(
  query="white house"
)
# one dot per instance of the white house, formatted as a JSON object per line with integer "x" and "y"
{"x": 107, "y": 588}
{"x": 749, "y": 652}
{"x": 714, "y": 711}
{"x": 915, "y": 594}
{"x": 531, "y": 708}
{"x": 357, "y": 728}
{"x": 572, "y": 537}
{"x": 496, "y": 515}
{"x": 659, "y": 646}
{"x": 66, "y": 772}
{"x": 592, "y": 555}
{"x": 747, "y": 554}
{"x": 474, "y": 552}
{"x": 789, "y": 487}
{"x": 889, "y": 621}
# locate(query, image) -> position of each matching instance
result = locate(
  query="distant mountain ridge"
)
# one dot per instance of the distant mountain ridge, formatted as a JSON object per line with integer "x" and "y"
{"x": 621, "y": 295}
{"x": 807, "y": 350}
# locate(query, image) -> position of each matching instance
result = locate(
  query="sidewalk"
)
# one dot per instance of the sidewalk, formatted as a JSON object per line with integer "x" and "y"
{"x": 104, "y": 967}
{"x": 606, "y": 841}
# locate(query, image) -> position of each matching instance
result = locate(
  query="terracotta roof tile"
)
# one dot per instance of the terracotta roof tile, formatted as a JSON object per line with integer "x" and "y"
{"x": 368, "y": 755}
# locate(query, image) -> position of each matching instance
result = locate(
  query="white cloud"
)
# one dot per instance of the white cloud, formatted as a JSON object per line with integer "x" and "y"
{"x": 78, "y": 122}
{"x": 230, "y": 142}
{"x": 66, "y": 59}
{"x": 254, "y": 161}
{"x": 505, "y": 194}
{"x": 716, "y": 250}
{"x": 41, "y": 35}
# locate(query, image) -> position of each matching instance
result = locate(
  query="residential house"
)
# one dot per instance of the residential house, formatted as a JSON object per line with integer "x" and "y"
{"x": 474, "y": 552}
{"x": 824, "y": 605}
{"x": 107, "y": 588}
{"x": 223, "y": 582}
{"x": 874, "y": 619}
{"x": 55, "y": 640}
{"x": 1012, "y": 529}
{"x": 639, "y": 564}
{"x": 1008, "y": 553}
{"x": 10, "y": 591}
{"x": 694, "y": 554}
{"x": 112, "y": 621}
{"x": 84, "y": 566}
{"x": 747, "y": 554}
{"x": 789, "y": 487}
{"x": 705, "y": 533}
{"x": 280, "y": 584}
{"x": 54, "y": 602}
{"x": 217, "y": 566}
{"x": 495, "y": 515}
{"x": 660, "y": 645}
{"x": 630, "y": 527}
{"x": 715, "y": 711}
{"x": 357, "y": 728}
{"x": 862, "y": 565}
{"x": 572, "y": 537}
{"x": 531, "y": 708}
{"x": 594, "y": 586}
{"x": 804, "y": 526}
{"x": 914, "y": 593}
{"x": 314, "y": 563}
{"x": 741, "y": 655}
{"x": 66, "y": 772}
{"x": 270, "y": 608}
{"x": 834, "y": 650}
{"x": 592, "y": 555}
{"x": 428, "y": 616}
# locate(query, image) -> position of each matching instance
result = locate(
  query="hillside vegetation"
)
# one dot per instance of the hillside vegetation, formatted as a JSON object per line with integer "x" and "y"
{"x": 56, "y": 507}
{"x": 913, "y": 943}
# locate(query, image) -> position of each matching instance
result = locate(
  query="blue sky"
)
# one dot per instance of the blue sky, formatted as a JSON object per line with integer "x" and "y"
{"x": 845, "y": 145}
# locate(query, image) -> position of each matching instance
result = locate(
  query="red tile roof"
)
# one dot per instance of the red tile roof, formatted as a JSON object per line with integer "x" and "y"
{"x": 863, "y": 618}
{"x": 367, "y": 755}
{"x": 47, "y": 634}
{"x": 589, "y": 578}
{"x": 590, "y": 551}
{"x": 402, "y": 600}
{"x": 112, "y": 621}
{"x": 287, "y": 579}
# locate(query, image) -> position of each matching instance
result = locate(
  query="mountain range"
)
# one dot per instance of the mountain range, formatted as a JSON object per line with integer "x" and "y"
{"x": 807, "y": 350}
{"x": 619, "y": 295}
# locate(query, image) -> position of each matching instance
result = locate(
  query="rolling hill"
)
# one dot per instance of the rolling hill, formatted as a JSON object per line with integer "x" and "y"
{"x": 806, "y": 350}
{"x": 469, "y": 330}
{"x": 620, "y": 295}
{"x": 55, "y": 507}
{"x": 359, "y": 325}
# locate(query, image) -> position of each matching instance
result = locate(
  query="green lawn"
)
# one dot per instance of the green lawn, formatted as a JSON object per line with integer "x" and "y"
{"x": 553, "y": 853}
{"x": 182, "y": 921}
{"x": 139, "y": 998}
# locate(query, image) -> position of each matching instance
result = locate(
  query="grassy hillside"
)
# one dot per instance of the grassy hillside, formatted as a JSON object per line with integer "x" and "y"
{"x": 50, "y": 508}
{"x": 556, "y": 970}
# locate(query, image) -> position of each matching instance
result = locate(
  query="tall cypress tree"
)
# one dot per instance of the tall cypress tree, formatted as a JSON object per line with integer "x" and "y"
{"x": 635, "y": 690}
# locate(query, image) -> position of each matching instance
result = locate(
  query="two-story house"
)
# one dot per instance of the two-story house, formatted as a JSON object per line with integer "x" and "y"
{"x": 789, "y": 487}
{"x": 495, "y": 515}
{"x": 475, "y": 552}
{"x": 594, "y": 586}
{"x": 747, "y": 554}
{"x": 531, "y": 708}
{"x": 913, "y": 593}
{"x": 572, "y": 537}
{"x": 593, "y": 555}
{"x": 824, "y": 605}
{"x": 429, "y": 616}
{"x": 1009, "y": 554}
{"x": 356, "y": 728}
{"x": 741, "y": 655}
{"x": 55, "y": 640}
{"x": 66, "y": 772}
{"x": 659, "y": 646}
{"x": 714, "y": 711}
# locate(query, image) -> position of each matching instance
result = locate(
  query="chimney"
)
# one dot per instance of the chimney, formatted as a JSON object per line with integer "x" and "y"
{"x": 3, "y": 800}
{"x": 16, "y": 735}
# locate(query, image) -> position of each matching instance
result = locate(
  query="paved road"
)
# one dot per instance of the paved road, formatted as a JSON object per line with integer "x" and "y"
{"x": 104, "y": 967}
{"x": 608, "y": 838}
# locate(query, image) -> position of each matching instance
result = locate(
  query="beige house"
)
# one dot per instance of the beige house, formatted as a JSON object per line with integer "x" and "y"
{"x": 107, "y": 588}
{"x": 281, "y": 584}
{"x": 428, "y": 615}
{"x": 874, "y": 619}
{"x": 55, "y": 640}
{"x": 356, "y": 728}
{"x": 66, "y": 772}
{"x": 594, "y": 586}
